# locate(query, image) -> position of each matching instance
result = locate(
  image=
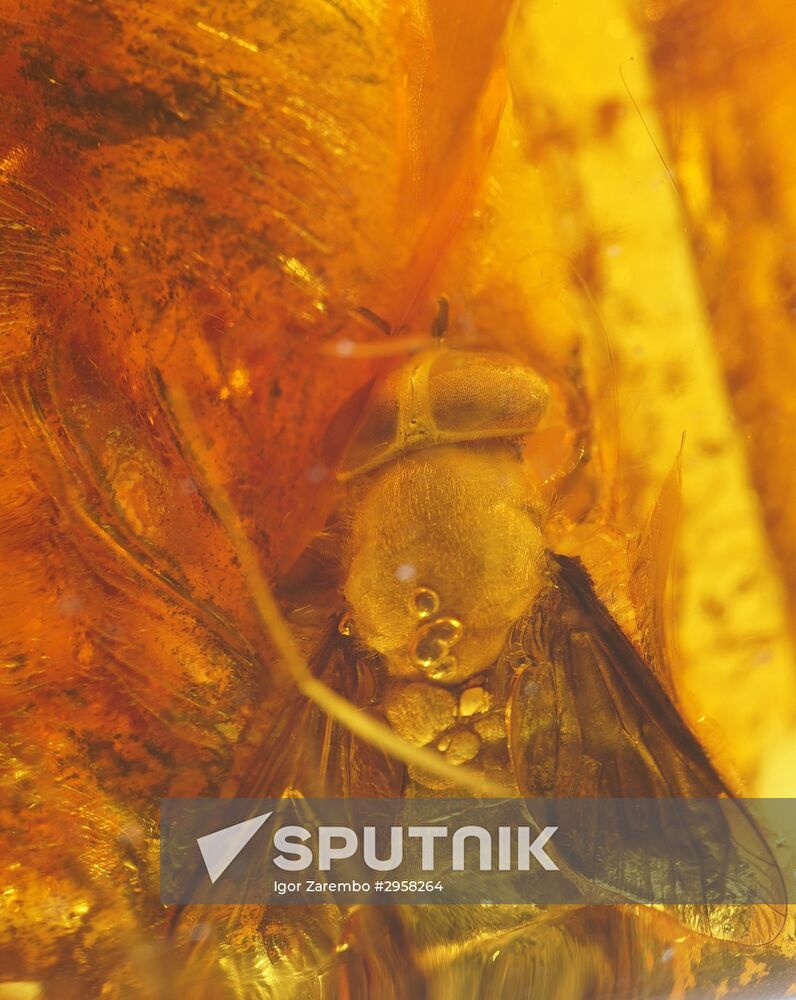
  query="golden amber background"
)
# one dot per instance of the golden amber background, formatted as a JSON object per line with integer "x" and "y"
{"x": 202, "y": 194}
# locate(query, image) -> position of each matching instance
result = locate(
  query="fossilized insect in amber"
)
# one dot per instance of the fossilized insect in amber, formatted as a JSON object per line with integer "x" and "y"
{"x": 224, "y": 232}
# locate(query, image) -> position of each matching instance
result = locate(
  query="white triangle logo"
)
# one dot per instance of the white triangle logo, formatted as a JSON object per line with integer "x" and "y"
{"x": 220, "y": 849}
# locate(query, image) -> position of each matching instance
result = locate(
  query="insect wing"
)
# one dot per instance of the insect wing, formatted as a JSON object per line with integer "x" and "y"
{"x": 304, "y": 751}
{"x": 589, "y": 720}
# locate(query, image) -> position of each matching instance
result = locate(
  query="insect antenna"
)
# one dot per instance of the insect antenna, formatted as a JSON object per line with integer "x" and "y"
{"x": 439, "y": 326}
{"x": 376, "y": 320}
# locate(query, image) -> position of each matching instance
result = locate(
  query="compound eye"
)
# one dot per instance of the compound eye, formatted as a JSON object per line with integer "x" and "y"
{"x": 488, "y": 395}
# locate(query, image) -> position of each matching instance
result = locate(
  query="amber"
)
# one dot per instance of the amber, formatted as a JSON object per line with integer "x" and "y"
{"x": 219, "y": 198}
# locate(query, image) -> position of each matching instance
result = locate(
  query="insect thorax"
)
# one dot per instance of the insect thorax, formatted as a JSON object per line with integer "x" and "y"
{"x": 445, "y": 555}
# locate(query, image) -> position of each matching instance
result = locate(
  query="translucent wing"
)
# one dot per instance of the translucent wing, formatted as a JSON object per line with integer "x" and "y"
{"x": 299, "y": 750}
{"x": 589, "y": 719}
{"x": 303, "y": 751}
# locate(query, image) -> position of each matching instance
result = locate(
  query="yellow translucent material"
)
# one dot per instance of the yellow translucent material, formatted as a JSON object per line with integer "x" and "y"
{"x": 208, "y": 195}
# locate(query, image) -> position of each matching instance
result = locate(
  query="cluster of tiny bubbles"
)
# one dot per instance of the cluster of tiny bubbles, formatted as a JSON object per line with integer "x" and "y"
{"x": 430, "y": 647}
{"x": 432, "y": 643}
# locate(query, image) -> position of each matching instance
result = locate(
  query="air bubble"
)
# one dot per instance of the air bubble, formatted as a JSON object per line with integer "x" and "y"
{"x": 425, "y": 602}
{"x": 430, "y": 647}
